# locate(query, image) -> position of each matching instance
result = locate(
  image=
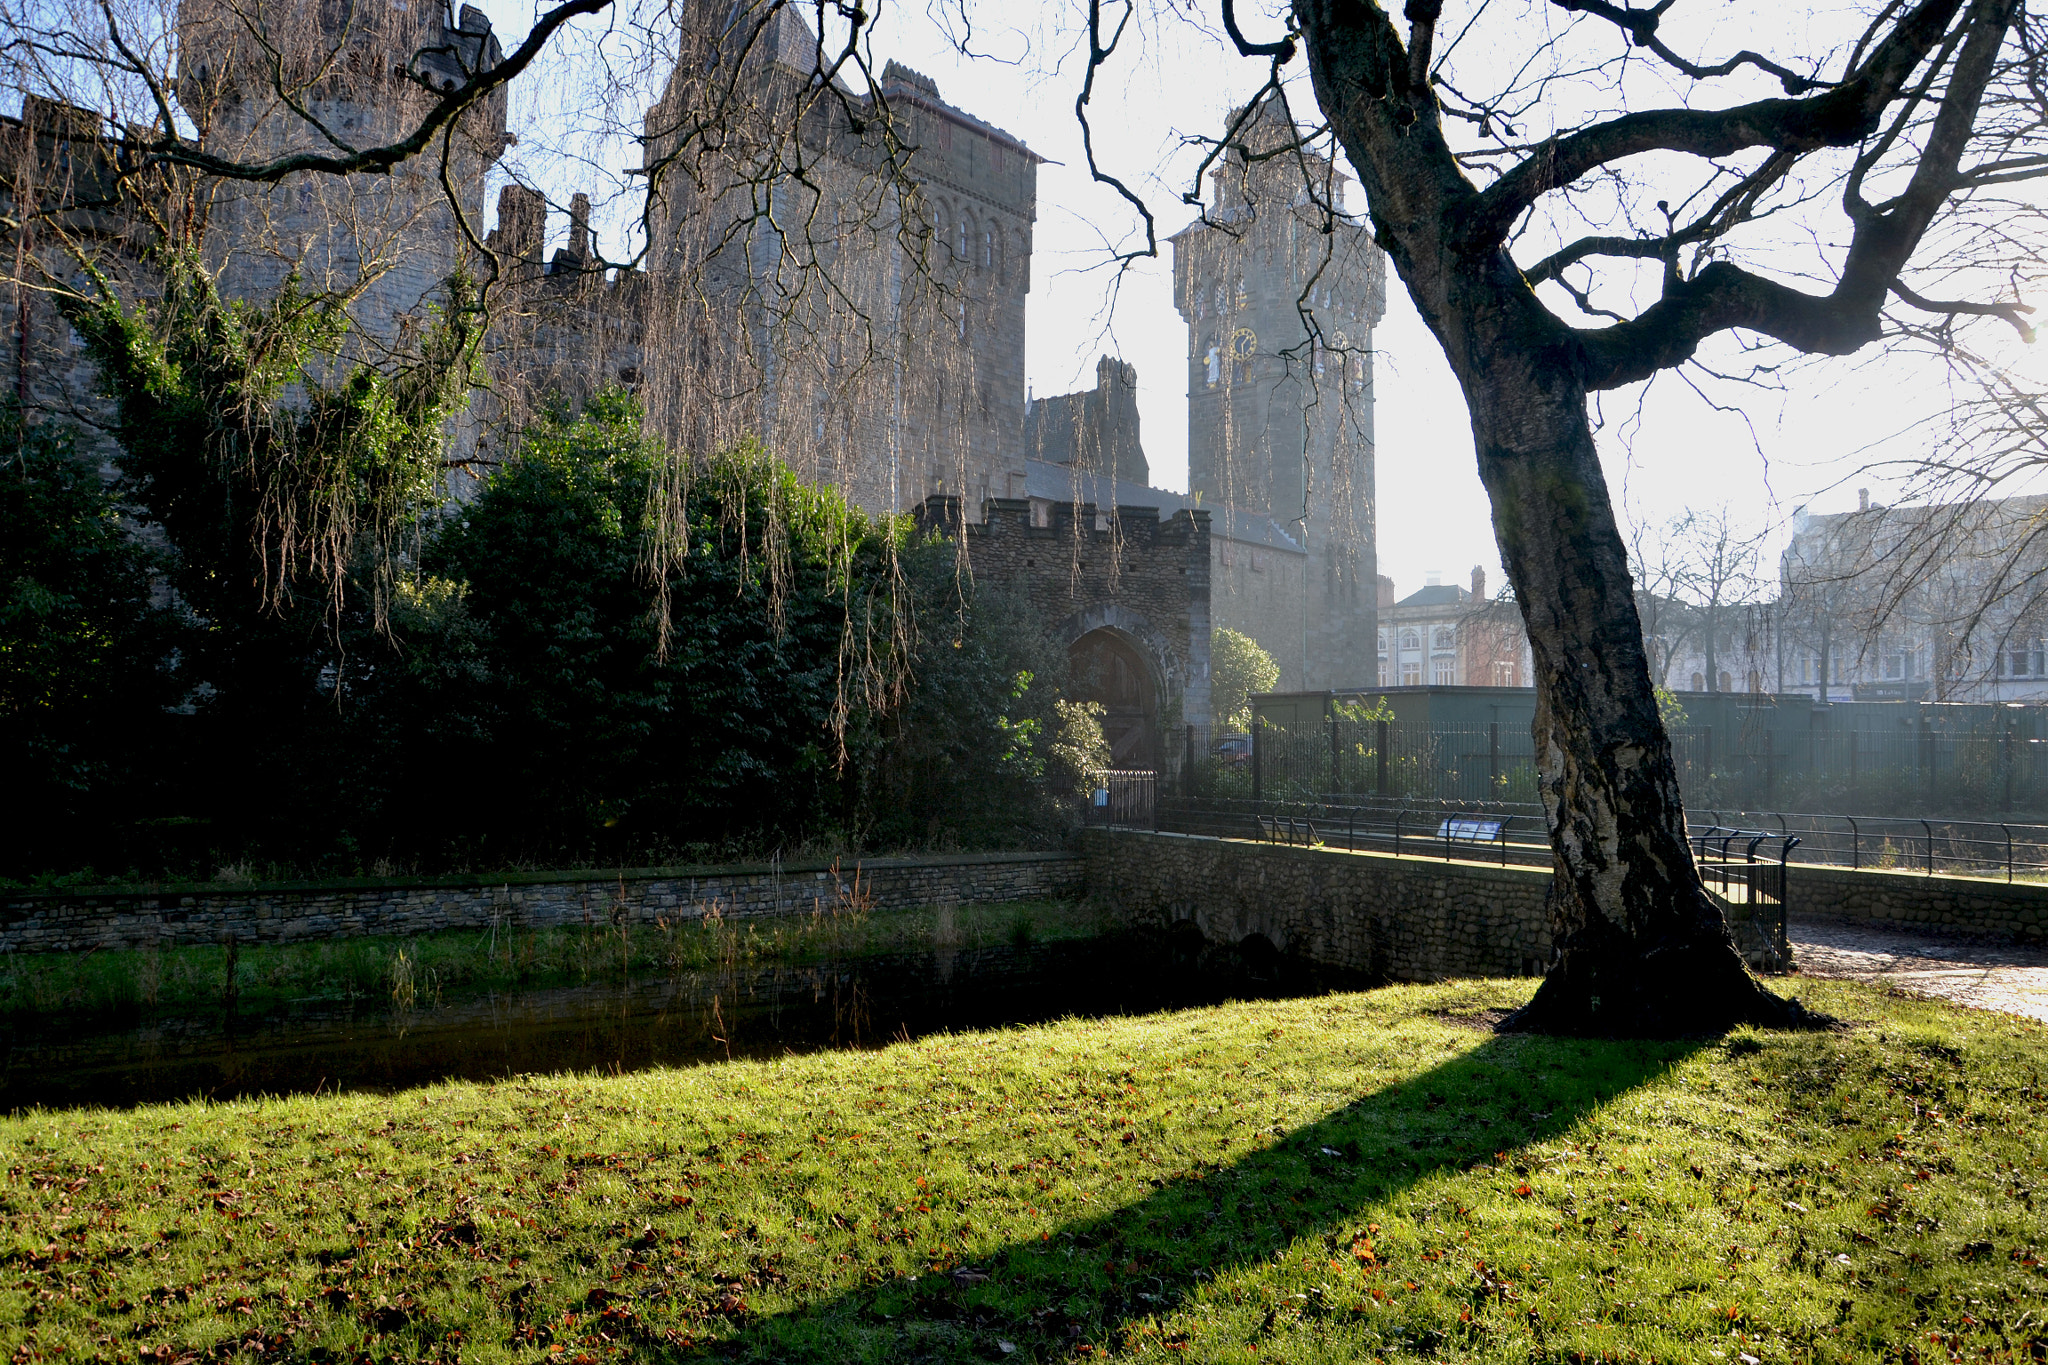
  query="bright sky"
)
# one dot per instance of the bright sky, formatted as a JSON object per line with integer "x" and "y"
{"x": 1668, "y": 446}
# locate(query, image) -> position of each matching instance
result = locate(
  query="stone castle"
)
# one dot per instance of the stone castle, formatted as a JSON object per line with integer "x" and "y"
{"x": 850, "y": 287}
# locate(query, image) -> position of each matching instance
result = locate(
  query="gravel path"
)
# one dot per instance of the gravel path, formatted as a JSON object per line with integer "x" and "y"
{"x": 1982, "y": 975}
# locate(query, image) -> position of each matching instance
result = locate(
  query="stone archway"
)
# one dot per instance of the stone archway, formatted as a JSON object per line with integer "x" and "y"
{"x": 1106, "y": 666}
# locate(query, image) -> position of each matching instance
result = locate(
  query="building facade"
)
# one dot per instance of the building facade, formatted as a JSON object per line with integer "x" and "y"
{"x": 1443, "y": 635}
{"x": 1939, "y": 602}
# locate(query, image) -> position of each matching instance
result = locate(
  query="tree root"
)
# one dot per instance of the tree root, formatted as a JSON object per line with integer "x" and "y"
{"x": 1681, "y": 991}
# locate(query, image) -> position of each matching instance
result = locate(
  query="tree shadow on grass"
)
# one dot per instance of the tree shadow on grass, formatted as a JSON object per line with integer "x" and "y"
{"x": 1147, "y": 1258}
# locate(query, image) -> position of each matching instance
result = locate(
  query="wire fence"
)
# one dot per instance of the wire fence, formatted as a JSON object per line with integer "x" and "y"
{"x": 1896, "y": 775}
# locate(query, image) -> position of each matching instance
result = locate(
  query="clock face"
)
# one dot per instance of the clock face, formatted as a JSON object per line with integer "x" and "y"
{"x": 1244, "y": 344}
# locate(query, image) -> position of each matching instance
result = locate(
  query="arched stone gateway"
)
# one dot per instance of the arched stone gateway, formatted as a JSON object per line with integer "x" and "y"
{"x": 1127, "y": 593}
{"x": 1108, "y": 668}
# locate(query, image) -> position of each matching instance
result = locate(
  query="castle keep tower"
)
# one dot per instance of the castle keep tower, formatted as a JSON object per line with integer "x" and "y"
{"x": 839, "y": 273}
{"x": 366, "y": 72}
{"x": 1280, "y": 294}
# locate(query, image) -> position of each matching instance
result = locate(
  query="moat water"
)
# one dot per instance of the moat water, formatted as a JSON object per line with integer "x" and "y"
{"x": 316, "y": 1046}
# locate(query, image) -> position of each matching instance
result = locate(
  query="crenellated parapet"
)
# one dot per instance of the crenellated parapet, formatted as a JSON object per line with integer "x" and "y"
{"x": 1125, "y": 590}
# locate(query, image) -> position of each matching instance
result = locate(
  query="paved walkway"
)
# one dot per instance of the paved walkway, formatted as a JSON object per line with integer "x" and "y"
{"x": 1982, "y": 975}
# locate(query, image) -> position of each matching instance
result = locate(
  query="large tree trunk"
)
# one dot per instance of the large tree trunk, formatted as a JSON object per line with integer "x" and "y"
{"x": 1642, "y": 949}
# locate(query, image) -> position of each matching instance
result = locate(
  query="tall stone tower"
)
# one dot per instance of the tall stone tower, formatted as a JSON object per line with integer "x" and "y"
{"x": 361, "y": 73}
{"x": 842, "y": 273}
{"x": 1280, "y": 293}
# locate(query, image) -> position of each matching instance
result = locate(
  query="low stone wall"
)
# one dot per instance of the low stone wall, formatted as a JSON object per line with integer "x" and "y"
{"x": 48, "y": 922}
{"x": 1401, "y": 919}
{"x": 1396, "y": 918}
{"x": 1902, "y": 900}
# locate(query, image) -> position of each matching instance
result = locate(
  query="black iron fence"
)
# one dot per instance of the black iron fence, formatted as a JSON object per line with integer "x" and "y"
{"x": 1745, "y": 869}
{"x": 1125, "y": 798}
{"x": 1509, "y": 832}
{"x": 1916, "y": 768}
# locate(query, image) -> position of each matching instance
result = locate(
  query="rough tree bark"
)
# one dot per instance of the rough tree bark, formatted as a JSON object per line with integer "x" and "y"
{"x": 1642, "y": 949}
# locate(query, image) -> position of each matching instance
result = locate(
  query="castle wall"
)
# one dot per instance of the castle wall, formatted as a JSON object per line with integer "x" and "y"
{"x": 394, "y": 238}
{"x": 868, "y": 321}
{"x": 1096, "y": 430}
{"x": 1259, "y": 590}
{"x": 1125, "y": 571}
{"x": 56, "y": 160}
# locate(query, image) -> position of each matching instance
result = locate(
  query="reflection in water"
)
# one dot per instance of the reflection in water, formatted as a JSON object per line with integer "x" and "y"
{"x": 690, "y": 1018}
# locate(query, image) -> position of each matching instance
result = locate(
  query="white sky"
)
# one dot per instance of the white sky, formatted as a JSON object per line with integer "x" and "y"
{"x": 1667, "y": 448}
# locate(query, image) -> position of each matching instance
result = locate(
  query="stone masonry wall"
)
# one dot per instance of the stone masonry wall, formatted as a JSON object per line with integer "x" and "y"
{"x": 1403, "y": 919}
{"x": 1398, "y": 918}
{"x": 1145, "y": 578}
{"x": 2010, "y": 910}
{"x": 38, "y": 922}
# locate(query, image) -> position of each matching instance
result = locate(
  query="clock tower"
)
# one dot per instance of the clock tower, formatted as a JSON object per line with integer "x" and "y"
{"x": 1280, "y": 291}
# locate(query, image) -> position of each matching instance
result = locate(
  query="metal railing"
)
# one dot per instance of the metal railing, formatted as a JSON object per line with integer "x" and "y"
{"x": 1927, "y": 845}
{"x": 1749, "y": 887}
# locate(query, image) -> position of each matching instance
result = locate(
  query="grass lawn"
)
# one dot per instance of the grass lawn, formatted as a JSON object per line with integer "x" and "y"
{"x": 1344, "y": 1178}
{"x": 420, "y": 968}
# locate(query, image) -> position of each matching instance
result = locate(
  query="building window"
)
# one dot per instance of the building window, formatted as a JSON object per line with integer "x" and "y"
{"x": 1445, "y": 673}
{"x": 1443, "y": 637}
{"x": 1383, "y": 642}
{"x": 1504, "y": 673}
{"x": 1410, "y": 640}
{"x": 1383, "y": 672}
{"x": 1411, "y": 673}
{"x": 1699, "y": 682}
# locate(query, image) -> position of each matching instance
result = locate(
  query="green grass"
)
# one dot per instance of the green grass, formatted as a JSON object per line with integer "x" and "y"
{"x": 416, "y": 970}
{"x": 1341, "y": 1179}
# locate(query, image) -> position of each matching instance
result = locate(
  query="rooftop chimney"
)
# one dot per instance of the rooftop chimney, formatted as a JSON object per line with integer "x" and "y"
{"x": 1863, "y": 499}
{"x": 1433, "y": 579}
{"x": 1478, "y": 583}
{"x": 579, "y": 227}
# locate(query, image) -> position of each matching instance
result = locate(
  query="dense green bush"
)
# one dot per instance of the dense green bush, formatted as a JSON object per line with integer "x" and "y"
{"x": 522, "y": 688}
{"x": 86, "y": 654}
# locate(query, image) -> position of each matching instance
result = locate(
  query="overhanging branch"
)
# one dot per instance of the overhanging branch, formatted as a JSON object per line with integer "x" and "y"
{"x": 1839, "y": 117}
{"x": 379, "y": 160}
